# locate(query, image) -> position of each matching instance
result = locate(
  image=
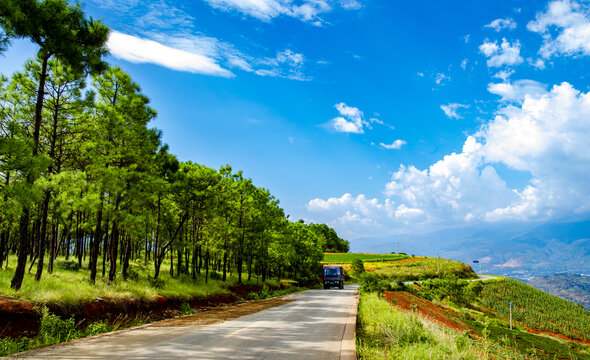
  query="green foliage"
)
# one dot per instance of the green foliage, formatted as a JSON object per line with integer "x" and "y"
{"x": 349, "y": 257}
{"x": 450, "y": 287}
{"x": 69, "y": 265}
{"x": 386, "y": 333}
{"x": 371, "y": 282}
{"x": 536, "y": 308}
{"x": 186, "y": 309}
{"x": 426, "y": 268}
{"x": 329, "y": 239}
{"x": 358, "y": 266}
{"x": 54, "y": 330}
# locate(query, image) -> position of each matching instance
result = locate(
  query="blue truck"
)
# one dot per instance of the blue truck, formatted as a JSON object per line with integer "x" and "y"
{"x": 333, "y": 276}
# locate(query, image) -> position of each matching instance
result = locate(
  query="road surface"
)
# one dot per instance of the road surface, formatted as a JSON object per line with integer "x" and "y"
{"x": 319, "y": 324}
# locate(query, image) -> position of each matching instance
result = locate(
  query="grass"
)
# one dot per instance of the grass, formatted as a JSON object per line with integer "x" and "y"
{"x": 420, "y": 268}
{"x": 346, "y": 258}
{"x": 383, "y": 332}
{"x": 536, "y": 309}
{"x": 73, "y": 287}
{"x": 55, "y": 330}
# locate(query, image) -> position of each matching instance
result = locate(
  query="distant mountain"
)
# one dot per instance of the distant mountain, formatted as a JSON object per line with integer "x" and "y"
{"x": 572, "y": 287}
{"x": 522, "y": 251}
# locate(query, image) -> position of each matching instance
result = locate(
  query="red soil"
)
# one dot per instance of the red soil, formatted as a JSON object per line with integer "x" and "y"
{"x": 426, "y": 309}
{"x": 23, "y": 318}
{"x": 561, "y": 336}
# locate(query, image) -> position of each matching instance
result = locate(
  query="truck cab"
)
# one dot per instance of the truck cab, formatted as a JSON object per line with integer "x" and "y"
{"x": 333, "y": 276}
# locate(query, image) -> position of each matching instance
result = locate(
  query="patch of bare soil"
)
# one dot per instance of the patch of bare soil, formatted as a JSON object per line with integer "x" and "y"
{"x": 558, "y": 335}
{"x": 18, "y": 317}
{"x": 426, "y": 309}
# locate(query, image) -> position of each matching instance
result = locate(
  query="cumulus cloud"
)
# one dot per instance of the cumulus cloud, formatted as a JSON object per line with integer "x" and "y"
{"x": 565, "y": 27}
{"x": 544, "y": 136}
{"x": 501, "y": 24}
{"x": 140, "y": 50}
{"x": 350, "y": 119}
{"x": 518, "y": 90}
{"x": 450, "y": 110}
{"x": 504, "y": 54}
{"x": 266, "y": 10}
{"x": 397, "y": 144}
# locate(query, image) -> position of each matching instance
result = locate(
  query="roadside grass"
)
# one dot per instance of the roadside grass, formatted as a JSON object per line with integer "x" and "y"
{"x": 55, "y": 330}
{"x": 383, "y": 332}
{"x": 346, "y": 258}
{"x": 68, "y": 285}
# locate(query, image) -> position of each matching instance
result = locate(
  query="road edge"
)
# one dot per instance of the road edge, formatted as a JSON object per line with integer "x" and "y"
{"x": 348, "y": 343}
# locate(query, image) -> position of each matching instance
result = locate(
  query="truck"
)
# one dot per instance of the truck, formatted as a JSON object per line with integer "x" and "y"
{"x": 333, "y": 276}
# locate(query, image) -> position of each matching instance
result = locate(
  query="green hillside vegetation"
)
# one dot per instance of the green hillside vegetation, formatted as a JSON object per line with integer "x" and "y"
{"x": 383, "y": 332}
{"x": 423, "y": 268}
{"x": 391, "y": 332}
{"x": 536, "y": 308}
{"x": 345, "y": 258}
{"x": 572, "y": 287}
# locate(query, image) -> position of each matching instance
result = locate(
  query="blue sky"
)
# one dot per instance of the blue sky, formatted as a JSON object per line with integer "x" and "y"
{"x": 376, "y": 117}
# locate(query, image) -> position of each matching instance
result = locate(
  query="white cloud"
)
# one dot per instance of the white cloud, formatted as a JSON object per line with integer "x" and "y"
{"x": 539, "y": 64}
{"x": 505, "y": 54}
{"x": 397, "y": 144}
{"x": 350, "y": 119}
{"x": 140, "y": 50}
{"x": 266, "y": 10}
{"x": 464, "y": 63}
{"x": 450, "y": 110}
{"x": 500, "y": 24}
{"x": 504, "y": 74}
{"x": 518, "y": 90}
{"x": 544, "y": 136}
{"x": 441, "y": 79}
{"x": 565, "y": 27}
{"x": 287, "y": 64}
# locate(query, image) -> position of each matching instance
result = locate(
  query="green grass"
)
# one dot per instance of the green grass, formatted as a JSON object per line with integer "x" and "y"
{"x": 73, "y": 287}
{"x": 344, "y": 258}
{"x": 425, "y": 268}
{"x": 536, "y": 309}
{"x": 529, "y": 345}
{"x": 386, "y": 333}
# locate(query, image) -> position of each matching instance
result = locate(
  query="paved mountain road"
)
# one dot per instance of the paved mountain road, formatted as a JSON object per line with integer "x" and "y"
{"x": 319, "y": 324}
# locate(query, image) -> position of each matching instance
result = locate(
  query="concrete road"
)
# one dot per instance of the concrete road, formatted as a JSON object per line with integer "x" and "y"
{"x": 319, "y": 324}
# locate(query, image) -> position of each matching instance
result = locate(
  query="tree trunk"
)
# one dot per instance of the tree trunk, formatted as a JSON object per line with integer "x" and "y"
{"x": 23, "y": 249}
{"x": 96, "y": 241}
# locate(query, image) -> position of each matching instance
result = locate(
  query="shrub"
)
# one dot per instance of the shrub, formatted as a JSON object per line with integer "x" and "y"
{"x": 54, "y": 330}
{"x": 371, "y": 282}
{"x": 358, "y": 266}
{"x": 186, "y": 309}
{"x": 68, "y": 265}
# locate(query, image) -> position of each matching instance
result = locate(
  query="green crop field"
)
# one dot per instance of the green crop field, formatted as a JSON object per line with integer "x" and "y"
{"x": 537, "y": 309}
{"x": 346, "y": 258}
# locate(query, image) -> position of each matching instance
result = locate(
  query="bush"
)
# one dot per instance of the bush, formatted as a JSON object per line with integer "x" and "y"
{"x": 215, "y": 275}
{"x": 54, "y": 330}
{"x": 371, "y": 282}
{"x": 186, "y": 309}
{"x": 358, "y": 266}
{"x": 68, "y": 265}
{"x": 156, "y": 283}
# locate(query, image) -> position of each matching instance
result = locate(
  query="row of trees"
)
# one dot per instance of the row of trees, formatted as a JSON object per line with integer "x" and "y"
{"x": 83, "y": 175}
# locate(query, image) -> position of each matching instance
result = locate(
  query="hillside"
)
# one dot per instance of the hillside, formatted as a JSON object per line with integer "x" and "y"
{"x": 522, "y": 251}
{"x": 448, "y": 317}
{"x": 573, "y": 287}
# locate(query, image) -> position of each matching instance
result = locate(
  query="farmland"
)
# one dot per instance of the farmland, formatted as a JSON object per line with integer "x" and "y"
{"x": 345, "y": 258}
{"x": 448, "y": 317}
{"x": 537, "y": 309}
